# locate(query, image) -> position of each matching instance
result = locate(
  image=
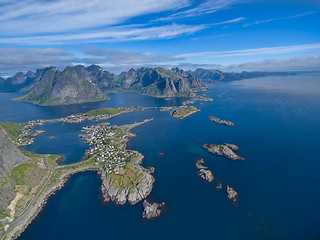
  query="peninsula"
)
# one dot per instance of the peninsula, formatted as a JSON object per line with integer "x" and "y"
{"x": 33, "y": 179}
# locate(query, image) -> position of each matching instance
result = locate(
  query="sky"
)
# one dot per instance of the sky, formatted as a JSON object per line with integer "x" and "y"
{"x": 229, "y": 35}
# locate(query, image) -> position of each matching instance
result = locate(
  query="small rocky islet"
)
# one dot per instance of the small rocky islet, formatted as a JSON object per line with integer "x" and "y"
{"x": 218, "y": 120}
{"x": 225, "y": 149}
{"x": 184, "y": 111}
{"x": 152, "y": 210}
{"x": 204, "y": 173}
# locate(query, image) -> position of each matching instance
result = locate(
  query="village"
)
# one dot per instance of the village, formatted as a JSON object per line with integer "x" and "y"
{"x": 104, "y": 140}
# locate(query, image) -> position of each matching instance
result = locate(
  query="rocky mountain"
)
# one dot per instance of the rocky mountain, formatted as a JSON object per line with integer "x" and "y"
{"x": 10, "y": 157}
{"x": 20, "y": 82}
{"x": 56, "y": 87}
{"x": 2, "y": 81}
{"x": 160, "y": 82}
{"x": 216, "y": 75}
{"x": 78, "y": 84}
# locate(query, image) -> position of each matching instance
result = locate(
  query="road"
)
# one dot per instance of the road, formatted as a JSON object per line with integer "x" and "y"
{"x": 28, "y": 208}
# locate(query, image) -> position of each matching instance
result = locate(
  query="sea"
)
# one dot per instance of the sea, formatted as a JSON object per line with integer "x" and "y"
{"x": 277, "y": 129}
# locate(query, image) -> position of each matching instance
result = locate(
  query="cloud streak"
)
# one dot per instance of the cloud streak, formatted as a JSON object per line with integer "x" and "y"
{"x": 256, "y": 51}
{"x": 43, "y": 17}
{"x": 121, "y": 33}
{"x": 278, "y": 19}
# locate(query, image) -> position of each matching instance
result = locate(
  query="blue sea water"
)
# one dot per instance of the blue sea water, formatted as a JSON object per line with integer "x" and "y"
{"x": 277, "y": 128}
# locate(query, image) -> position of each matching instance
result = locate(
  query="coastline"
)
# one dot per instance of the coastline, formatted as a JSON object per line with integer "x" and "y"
{"x": 59, "y": 176}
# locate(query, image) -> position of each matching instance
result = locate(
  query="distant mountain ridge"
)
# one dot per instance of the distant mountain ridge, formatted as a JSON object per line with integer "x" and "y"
{"x": 79, "y": 84}
{"x": 210, "y": 75}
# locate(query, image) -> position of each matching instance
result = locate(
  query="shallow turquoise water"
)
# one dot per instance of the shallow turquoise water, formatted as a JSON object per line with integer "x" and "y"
{"x": 276, "y": 128}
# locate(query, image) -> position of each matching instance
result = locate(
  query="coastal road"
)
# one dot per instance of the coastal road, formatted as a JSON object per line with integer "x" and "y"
{"x": 28, "y": 208}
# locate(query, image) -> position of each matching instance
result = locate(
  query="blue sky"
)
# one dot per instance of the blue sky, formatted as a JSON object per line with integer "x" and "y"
{"x": 231, "y": 35}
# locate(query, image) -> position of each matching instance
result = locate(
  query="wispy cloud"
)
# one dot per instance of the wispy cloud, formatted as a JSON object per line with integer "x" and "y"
{"x": 206, "y": 7}
{"x": 98, "y": 55}
{"x": 122, "y": 33}
{"x": 43, "y": 17}
{"x": 306, "y": 63}
{"x": 13, "y": 60}
{"x": 278, "y": 19}
{"x": 256, "y": 51}
{"x": 235, "y": 20}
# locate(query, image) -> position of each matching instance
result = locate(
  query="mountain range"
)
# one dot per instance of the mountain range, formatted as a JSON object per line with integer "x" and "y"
{"x": 209, "y": 75}
{"x": 79, "y": 84}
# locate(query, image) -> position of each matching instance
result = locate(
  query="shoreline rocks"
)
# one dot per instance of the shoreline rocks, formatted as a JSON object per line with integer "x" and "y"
{"x": 151, "y": 210}
{"x": 223, "y": 122}
{"x": 224, "y": 150}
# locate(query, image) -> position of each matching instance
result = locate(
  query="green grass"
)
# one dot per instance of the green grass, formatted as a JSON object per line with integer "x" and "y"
{"x": 13, "y": 129}
{"x": 20, "y": 173}
{"x": 110, "y": 111}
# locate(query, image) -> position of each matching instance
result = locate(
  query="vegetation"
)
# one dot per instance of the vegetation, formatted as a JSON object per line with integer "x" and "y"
{"x": 13, "y": 129}
{"x": 110, "y": 111}
{"x": 184, "y": 111}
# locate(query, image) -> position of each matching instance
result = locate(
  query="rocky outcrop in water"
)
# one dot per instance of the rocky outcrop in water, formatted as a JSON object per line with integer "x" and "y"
{"x": 204, "y": 173}
{"x": 232, "y": 194}
{"x": 223, "y": 122}
{"x": 224, "y": 149}
{"x": 151, "y": 210}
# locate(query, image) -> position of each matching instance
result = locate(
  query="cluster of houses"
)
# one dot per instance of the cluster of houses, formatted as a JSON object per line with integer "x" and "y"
{"x": 100, "y": 138}
{"x": 26, "y": 130}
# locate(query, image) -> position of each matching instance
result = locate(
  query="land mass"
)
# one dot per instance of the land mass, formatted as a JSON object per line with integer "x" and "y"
{"x": 79, "y": 84}
{"x": 225, "y": 149}
{"x": 211, "y": 75}
{"x": 184, "y": 111}
{"x": 28, "y": 182}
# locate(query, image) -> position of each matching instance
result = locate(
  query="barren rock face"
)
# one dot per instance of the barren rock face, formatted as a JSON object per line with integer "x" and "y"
{"x": 151, "y": 210}
{"x": 206, "y": 175}
{"x": 224, "y": 149}
{"x": 133, "y": 192}
{"x": 66, "y": 87}
{"x": 10, "y": 157}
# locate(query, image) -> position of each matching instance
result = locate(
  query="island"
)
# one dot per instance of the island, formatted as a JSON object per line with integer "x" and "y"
{"x": 184, "y": 111}
{"x": 29, "y": 179}
{"x": 204, "y": 173}
{"x": 232, "y": 194}
{"x": 224, "y": 122}
{"x": 152, "y": 210}
{"x": 225, "y": 149}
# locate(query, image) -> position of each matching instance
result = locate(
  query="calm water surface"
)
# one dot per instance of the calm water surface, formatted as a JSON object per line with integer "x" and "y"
{"x": 277, "y": 128}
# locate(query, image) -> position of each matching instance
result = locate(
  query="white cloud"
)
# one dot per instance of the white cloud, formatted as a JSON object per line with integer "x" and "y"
{"x": 34, "y": 16}
{"x": 278, "y": 19}
{"x": 208, "y": 6}
{"x": 98, "y": 55}
{"x": 256, "y": 51}
{"x": 122, "y": 33}
{"x": 306, "y": 63}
